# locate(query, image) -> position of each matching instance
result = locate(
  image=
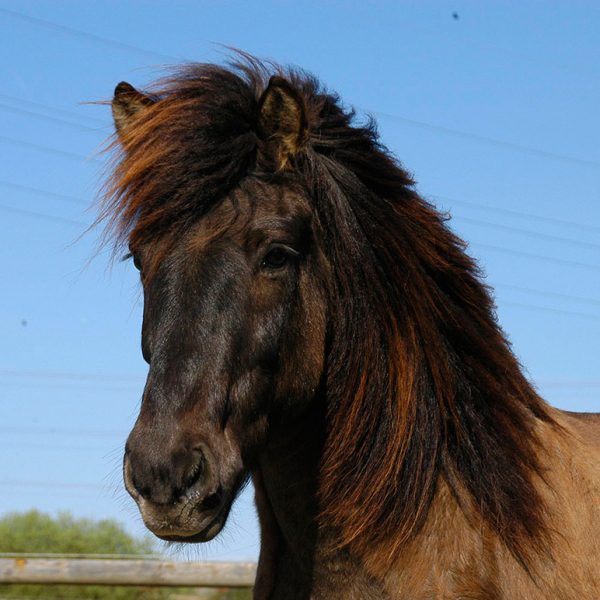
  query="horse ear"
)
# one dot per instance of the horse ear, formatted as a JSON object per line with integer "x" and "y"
{"x": 127, "y": 102}
{"x": 282, "y": 121}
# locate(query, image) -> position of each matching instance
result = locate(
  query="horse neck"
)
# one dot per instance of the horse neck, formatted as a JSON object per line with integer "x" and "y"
{"x": 300, "y": 560}
{"x": 288, "y": 467}
{"x": 296, "y": 558}
{"x": 285, "y": 481}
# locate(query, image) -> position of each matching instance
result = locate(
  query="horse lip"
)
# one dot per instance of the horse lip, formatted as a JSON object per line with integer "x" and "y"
{"x": 204, "y": 535}
{"x": 127, "y": 481}
{"x": 207, "y": 533}
{"x": 179, "y": 532}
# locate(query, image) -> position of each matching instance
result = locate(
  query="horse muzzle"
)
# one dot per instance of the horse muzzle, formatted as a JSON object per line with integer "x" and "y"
{"x": 185, "y": 497}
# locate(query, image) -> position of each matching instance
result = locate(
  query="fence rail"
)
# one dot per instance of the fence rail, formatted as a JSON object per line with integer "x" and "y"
{"x": 154, "y": 573}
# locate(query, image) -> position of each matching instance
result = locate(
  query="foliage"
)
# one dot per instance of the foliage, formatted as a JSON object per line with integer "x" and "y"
{"x": 233, "y": 595}
{"x": 35, "y": 532}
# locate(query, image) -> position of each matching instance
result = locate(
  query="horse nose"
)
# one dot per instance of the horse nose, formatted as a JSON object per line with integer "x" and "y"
{"x": 164, "y": 476}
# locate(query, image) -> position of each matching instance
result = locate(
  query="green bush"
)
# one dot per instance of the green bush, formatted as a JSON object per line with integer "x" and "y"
{"x": 34, "y": 532}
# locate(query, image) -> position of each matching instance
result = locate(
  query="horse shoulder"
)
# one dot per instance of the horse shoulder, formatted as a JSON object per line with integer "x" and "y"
{"x": 456, "y": 556}
{"x": 570, "y": 487}
{"x": 587, "y": 425}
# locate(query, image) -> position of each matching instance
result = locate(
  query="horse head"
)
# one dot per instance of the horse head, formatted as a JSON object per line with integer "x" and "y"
{"x": 235, "y": 303}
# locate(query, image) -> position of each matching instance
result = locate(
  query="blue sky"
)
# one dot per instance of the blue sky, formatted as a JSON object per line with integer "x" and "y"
{"x": 496, "y": 113}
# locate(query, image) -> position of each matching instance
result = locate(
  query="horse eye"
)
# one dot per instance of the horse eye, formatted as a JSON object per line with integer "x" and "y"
{"x": 276, "y": 258}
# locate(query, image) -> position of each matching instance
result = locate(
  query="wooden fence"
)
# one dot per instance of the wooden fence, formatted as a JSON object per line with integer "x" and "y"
{"x": 157, "y": 573}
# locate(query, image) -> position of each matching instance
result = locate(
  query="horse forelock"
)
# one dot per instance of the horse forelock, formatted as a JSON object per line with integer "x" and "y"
{"x": 421, "y": 383}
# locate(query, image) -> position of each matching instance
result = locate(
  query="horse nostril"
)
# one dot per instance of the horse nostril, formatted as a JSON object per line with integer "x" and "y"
{"x": 211, "y": 501}
{"x": 196, "y": 470}
{"x": 144, "y": 491}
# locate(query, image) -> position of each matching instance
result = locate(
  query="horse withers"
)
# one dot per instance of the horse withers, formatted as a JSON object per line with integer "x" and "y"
{"x": 313, "y": 324}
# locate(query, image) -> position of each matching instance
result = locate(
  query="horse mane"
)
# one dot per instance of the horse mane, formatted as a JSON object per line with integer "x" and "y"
{"x": 421, "y": 383}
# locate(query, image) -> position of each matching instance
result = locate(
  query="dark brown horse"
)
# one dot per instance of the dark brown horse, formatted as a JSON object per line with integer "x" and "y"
{"x": 312, "y": 323}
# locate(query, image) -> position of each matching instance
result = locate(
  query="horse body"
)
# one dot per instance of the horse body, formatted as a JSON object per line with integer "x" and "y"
{"x": 456, "y": 555}
{"x": 312, "y": 323}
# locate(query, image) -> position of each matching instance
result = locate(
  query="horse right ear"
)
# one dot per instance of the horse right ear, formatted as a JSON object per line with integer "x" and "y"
{"x": 282, "y": 122}
{"x": 127, "y": 102}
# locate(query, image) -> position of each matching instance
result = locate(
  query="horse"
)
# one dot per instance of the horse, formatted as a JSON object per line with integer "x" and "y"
{"x": 312, "y": 324}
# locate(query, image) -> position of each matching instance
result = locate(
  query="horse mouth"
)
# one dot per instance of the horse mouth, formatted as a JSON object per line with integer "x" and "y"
{"x": 189, "y": 523}
{"x": 191, "y": 532}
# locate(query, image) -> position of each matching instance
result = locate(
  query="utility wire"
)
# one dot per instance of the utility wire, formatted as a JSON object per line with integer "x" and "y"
{"x": 487, "y": 246}
{"x": 489, "y": 140}
{"x": 69, "y": 386}
{"x": 569, "y": 384}
{"x": 459, "y": 217}
{"x": 46, "y": 149}
{"x": 53, "y": 484}
{"x": 553, "y": 310}
{"x": 54, "y": 109}
{"x": 528, "y": 232}
{"x": 528, "y": 290}
{"x": 531, "y": 255}
{"x": 41, "y": 192}
{"x": 411, "y": 122}
{"x": 70, "y": 375}
{"x": 58, "y": 120}
{"x": 39, "y": 215}
{"x": 87, "y": 35}
{"x": 52, "y": 431}
{"x": 515, "y": 213}
{"x": 17, "y": 444}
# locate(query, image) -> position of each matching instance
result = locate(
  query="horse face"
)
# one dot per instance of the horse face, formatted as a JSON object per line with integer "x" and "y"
{"x": 234, "y": 333}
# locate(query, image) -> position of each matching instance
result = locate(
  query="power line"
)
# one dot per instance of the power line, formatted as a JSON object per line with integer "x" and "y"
{"x": 516, "y": 213}
{"x": 52, "y": 431}
{"x": 411, "y": 122}
{"x": 487, "y": 246}
{"x": 569, "y": 384}
{"x": 39, "y": 215}
{"x": 531, "y": 255}
{"x": 58, "y": 120}
{"x": 41, "y": 192}
{"x": 528, "y": 232}
{"x": 467, "y": 219}
{"x": 528, "y": 290}
{"x": 15, "y": 444}
{"x": 559, "y": 311}
{"x": 54, "y": 484}
{"x": 488, "y": 140}
{"x": 87, "y": 35}
{"x": 53, "y": 109}
{"x": 67, "y": 386}
{"x": 46, "y": 149}
{"x": 71, "y": 375}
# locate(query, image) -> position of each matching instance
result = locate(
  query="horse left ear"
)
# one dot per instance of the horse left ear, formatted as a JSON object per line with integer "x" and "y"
{"x": 127, "y": 102}
{"x": 282, "y": 121}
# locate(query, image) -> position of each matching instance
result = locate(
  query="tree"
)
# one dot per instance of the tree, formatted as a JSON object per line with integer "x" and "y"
{"x": 35, "y": 532}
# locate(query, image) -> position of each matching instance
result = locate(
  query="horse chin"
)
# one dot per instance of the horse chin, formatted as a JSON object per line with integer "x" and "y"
{"x": 187, "y": 523}
{"x": 208, "y": 533}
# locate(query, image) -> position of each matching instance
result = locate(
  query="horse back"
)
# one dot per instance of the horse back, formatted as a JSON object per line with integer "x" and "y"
{"x": 587, "y": 425}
